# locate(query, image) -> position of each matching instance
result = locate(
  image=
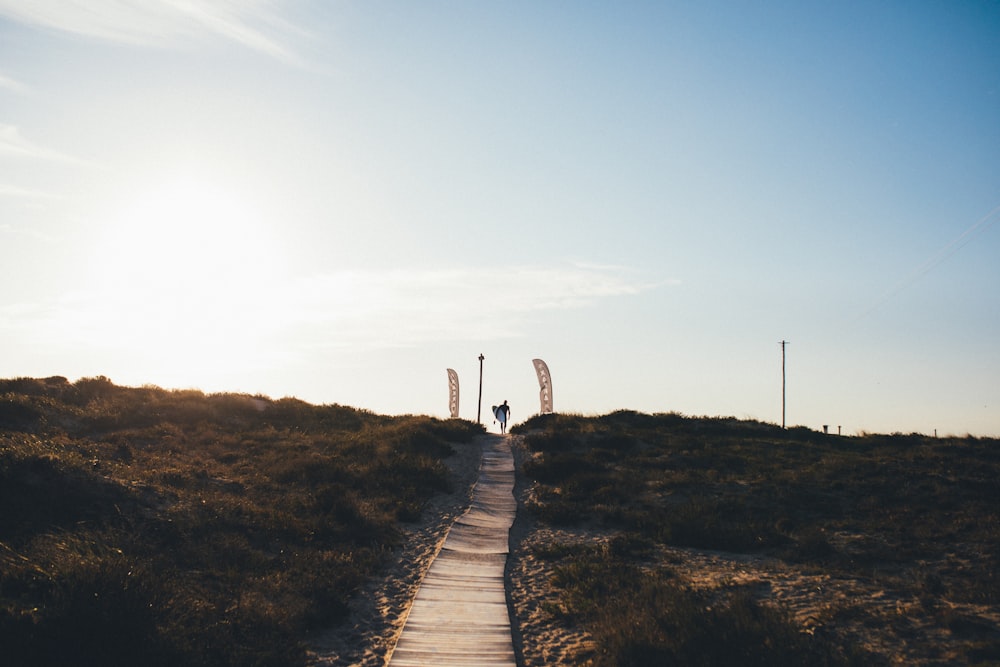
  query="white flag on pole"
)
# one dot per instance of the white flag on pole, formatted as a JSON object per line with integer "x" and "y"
{"x": 544, "y": 384}
{"x": 453, "y": 393}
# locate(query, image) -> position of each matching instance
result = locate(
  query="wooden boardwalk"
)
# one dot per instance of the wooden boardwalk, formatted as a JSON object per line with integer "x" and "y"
{"x": 459, "y": 616}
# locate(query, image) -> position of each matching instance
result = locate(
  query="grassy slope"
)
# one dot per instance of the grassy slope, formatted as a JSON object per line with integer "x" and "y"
{"x": 144, "y": 526}
{"x": 922, "y": 514}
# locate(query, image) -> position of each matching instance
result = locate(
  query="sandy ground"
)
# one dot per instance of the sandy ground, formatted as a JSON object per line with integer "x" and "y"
{"x": 866, "y": 612}
{"x": 540, "y": 638}
{"x": 863, "y": 612}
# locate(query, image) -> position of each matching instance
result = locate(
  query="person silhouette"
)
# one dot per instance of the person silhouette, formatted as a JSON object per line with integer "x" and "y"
{"x": 503, "y": 414}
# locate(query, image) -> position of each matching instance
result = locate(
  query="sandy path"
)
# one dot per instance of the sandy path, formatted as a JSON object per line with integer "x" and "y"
{"x": 379, "y": 610}
{"x": 861, "y": 610}
{"x": 459, "y": 616}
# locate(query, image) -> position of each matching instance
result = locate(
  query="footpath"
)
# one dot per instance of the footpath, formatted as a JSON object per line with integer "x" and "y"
{"x": 459, "y": 615}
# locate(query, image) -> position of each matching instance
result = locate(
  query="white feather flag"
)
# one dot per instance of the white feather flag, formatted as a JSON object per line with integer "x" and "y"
{"x": 544, "y": 384}
{"x": 453, "y": 393}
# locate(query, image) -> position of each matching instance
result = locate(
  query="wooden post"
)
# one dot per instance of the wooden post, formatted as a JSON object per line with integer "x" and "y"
{"x": 783, "y": 344}
{"x": 479, "y": 410}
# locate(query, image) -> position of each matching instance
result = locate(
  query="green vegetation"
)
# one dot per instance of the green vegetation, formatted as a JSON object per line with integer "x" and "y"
{"x": 921, "y": 515}
{"x": 144, "y": 526}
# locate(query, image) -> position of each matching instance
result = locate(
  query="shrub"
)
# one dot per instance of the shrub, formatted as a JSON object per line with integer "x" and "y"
{"x": 902, "y": 508}
{"x": 647, "y": 617}
{"x": 17, "y": 414}
{"x": 146, "y": 526}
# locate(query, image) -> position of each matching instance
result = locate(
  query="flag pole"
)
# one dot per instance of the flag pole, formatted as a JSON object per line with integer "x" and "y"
{"x": 479, "y": 410}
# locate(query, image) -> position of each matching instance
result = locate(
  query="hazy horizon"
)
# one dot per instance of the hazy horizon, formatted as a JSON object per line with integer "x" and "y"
{"x": 339, "y": 201}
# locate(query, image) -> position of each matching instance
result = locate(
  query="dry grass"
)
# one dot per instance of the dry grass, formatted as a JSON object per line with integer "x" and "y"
{"x": 916, "y": 516}
{"x": 143, "y": 526}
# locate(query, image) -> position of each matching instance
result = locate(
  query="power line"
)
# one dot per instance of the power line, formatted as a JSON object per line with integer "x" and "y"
{"x": 942, "y": 254}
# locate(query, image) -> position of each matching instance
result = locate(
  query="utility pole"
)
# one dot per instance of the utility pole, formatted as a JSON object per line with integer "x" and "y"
{"x": 479, "y": 410}
{"x": 783, "y": 344}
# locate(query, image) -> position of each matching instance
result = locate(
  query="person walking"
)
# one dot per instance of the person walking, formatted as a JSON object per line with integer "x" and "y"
{"x": 503, "y": 414}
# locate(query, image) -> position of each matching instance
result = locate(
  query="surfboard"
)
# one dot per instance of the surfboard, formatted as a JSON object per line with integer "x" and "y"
{"x": 500, "y": 413}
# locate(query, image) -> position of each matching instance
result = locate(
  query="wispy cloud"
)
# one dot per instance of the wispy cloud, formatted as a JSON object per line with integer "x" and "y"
{"x": 14, "y": 191}
{"x": 405, "y": 307}
{"x": 250, "y": 23}
{"x": 346, "y": 310}
{"x": 13, "y": 143}
{"x": 8, "y": 83}
{"x": 201, "y": 336}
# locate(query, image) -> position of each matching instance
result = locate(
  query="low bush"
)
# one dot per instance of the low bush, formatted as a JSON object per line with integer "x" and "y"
{"x": 640, "y": 616}
{"x": 145, "y": 526}
{"x": 921, "y": 515}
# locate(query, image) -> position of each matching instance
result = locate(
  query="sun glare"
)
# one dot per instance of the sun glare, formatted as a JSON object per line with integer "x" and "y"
{"x": 182, "y": 275}
{"x": 189, "y": 234}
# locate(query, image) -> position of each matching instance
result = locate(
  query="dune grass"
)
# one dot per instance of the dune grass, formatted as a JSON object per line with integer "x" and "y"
{"x": 144, "y": 526}
{"x": 919, "y": 515}
{"x": 647, "y": 616}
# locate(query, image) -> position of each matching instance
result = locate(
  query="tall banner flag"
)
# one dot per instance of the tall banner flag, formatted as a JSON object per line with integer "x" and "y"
{"x": 544, "y": 384}
{"x": 453, "y": 393}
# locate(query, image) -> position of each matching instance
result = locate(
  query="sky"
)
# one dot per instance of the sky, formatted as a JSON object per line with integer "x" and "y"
{"x": 338, "y": 200}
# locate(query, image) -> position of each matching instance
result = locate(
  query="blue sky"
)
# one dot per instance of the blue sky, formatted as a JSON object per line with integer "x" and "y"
{"x": 339, "y": 200}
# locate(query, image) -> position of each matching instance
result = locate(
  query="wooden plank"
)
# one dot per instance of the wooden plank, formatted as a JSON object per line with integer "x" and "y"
{"x": 459, "y": 615}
